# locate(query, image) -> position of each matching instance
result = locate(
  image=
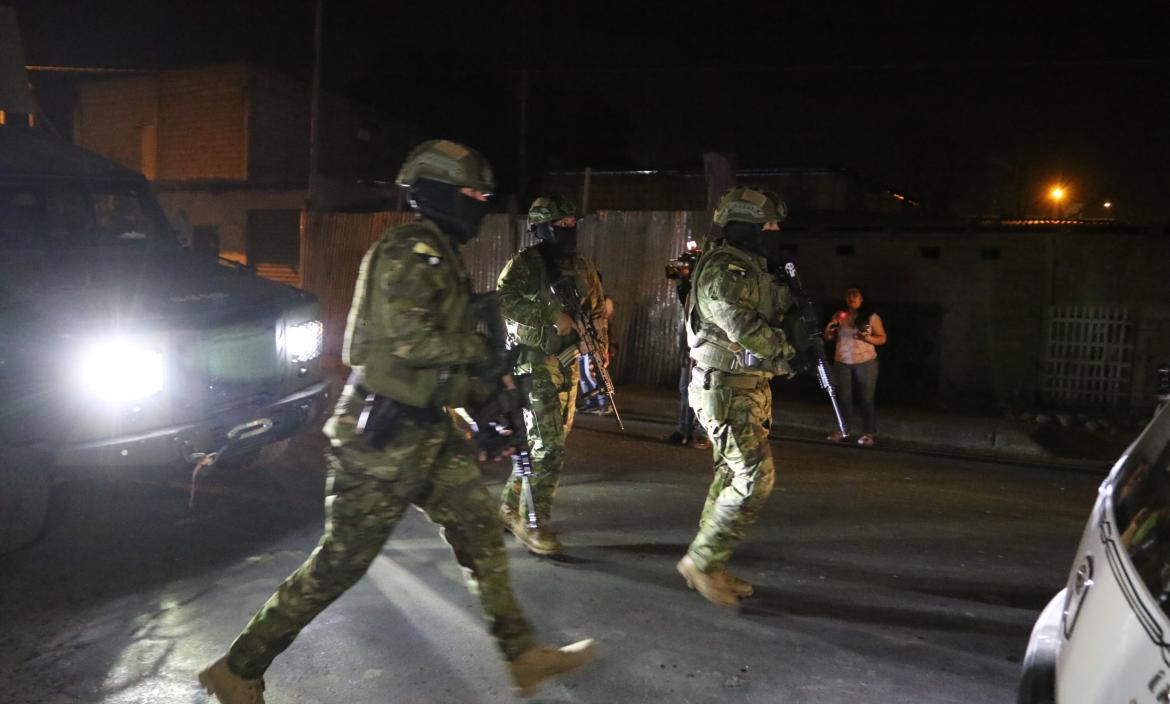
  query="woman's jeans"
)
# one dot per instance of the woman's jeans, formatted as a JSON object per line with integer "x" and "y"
{"x": 863, "y": 377}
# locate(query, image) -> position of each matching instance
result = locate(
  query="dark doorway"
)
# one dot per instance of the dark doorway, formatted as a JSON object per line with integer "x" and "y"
{"x": 273, "y": 244}
{"x": 274, "y": 237}
{"x": 205, "y": 240}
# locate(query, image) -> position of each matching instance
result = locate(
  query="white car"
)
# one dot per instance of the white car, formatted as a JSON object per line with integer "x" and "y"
{"x": 1106, "y": 636}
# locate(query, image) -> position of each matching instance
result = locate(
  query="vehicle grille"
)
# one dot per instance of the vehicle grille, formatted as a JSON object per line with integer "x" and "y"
{"x": 243, "y": 354}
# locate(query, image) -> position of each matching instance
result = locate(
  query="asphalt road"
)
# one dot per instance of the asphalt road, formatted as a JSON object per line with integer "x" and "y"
{"x": 880, "y": 577}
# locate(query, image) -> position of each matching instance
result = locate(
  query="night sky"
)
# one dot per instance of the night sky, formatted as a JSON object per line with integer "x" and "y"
{"x": 973, "y": 110}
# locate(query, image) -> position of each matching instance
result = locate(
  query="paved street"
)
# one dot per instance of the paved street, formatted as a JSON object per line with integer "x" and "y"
{"x": 880, "y": 577}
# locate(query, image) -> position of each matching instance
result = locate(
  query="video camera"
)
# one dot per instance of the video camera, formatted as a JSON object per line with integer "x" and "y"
{"x": 681, "y": 266}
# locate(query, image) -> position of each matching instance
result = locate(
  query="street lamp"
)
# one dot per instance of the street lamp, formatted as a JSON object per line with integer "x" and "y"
{"x": 1057, "y": 195}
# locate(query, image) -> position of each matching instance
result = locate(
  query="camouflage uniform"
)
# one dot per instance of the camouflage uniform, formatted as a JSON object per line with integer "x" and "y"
{"x": 412, "y": 342}
{"x": 419, "y": 353}
{"x": 731, "y": 311}
{"x": 530, "y": 309}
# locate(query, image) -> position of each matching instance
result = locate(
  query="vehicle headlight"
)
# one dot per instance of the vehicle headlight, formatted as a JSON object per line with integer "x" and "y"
{"x": 304, "y": 341}
{"x": 119, "y": 370}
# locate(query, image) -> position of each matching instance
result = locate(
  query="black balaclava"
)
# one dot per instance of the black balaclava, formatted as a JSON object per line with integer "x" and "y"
{"x": 559, "y": 242}
{"x": 752, "y": 237}
{"x": 456, "y": 214}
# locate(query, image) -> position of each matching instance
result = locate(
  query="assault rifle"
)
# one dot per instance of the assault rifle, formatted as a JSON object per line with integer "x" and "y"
{"x": 566, "y": 290}
{"x": 498, "y": 426}
{"x": 802, "y": 327}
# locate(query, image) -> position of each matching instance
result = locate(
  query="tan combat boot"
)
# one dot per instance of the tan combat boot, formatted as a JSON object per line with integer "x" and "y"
{"x": 738, "y": 586}
{"x": 218, "y": 679}
{"x": 713, "y": 588}
{"x": 541, "y": 541}
{"x": 509, "y": 517}
{"x": 540, "y": 662}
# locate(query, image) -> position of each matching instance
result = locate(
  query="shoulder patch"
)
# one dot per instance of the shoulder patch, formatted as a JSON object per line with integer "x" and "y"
{"x": 424, "y": 248}
{"x": 427, "y": 252}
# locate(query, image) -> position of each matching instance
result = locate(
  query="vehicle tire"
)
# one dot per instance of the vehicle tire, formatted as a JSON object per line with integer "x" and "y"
{"x": 25, "y": 484}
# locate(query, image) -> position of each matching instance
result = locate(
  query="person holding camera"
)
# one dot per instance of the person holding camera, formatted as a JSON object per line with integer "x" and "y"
{"x": 732, "y": 317}
{"x": 679, "y": 271}
{"x": 858, "y": 332}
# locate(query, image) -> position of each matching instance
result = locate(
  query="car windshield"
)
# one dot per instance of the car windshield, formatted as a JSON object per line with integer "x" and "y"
{"x": 67, "y": 214}
{"x": 1141, "y": 504}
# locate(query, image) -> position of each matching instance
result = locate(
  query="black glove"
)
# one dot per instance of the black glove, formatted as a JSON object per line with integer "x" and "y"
{"x": 493, "y": 441}
{"x": 499, "y": 424}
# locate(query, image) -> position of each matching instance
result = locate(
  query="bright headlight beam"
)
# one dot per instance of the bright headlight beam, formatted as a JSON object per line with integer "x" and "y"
{"x": 120, "y": 370}
{"x": 304, "y": 341}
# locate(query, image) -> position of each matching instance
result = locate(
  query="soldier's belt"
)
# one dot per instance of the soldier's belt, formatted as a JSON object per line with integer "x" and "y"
{"x": 418, "y": 414}
{"x": 715, "y": 377}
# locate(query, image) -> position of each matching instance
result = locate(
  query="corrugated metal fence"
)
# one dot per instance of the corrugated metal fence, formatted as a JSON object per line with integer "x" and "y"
{"x": 630, "y": 248}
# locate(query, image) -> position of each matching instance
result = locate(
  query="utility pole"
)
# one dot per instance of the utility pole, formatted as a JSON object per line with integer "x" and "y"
{"x": 522, "y": 167}
{"x": 315, "y": 110}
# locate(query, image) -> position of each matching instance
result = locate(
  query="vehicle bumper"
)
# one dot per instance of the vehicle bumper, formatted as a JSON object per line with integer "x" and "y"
{"x": 1038, "y": 676}
{"x": 286, "y": 416}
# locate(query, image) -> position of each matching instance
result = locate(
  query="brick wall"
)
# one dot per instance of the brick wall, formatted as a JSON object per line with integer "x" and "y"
{"x": 111, "y": 117}
{"x": 203, "y": 131}
{"x": 196, "y": 120}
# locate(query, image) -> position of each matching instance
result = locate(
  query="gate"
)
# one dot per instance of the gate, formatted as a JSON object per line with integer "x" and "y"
{"x": 1088, "y": 358}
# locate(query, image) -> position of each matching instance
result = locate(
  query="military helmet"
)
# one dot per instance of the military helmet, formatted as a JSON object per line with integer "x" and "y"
{"x": 447, "y": 162}
{"x": 749, "y": 205}
{"x": 550, "y": 209}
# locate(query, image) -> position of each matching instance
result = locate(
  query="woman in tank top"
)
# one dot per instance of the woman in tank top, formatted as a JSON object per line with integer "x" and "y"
{"x": 858, "y": 332}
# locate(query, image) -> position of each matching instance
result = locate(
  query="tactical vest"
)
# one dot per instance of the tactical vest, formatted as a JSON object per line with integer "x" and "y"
{"x": 537, "y": 344}
{"x": 370, "y": 354}
{"x": 709, "y": 344}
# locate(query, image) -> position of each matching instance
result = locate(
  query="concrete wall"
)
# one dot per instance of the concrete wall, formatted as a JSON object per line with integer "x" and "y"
{"x": 967, "y": 308}
{"x": 964, "y": 311}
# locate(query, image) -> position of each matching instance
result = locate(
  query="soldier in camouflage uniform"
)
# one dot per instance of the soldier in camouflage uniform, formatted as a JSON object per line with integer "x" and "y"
{"x": 412, "y": 342}
{"x": 732, "y": 311}
{"x": 548, "y": 351}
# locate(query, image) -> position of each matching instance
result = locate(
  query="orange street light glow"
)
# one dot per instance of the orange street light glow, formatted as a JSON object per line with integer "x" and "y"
{"x": 1057, "y": 193}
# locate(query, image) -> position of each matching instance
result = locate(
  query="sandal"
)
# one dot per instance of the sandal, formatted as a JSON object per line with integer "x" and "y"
{"x": 866, "y": 439}
{"x": 836, "y": 436}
